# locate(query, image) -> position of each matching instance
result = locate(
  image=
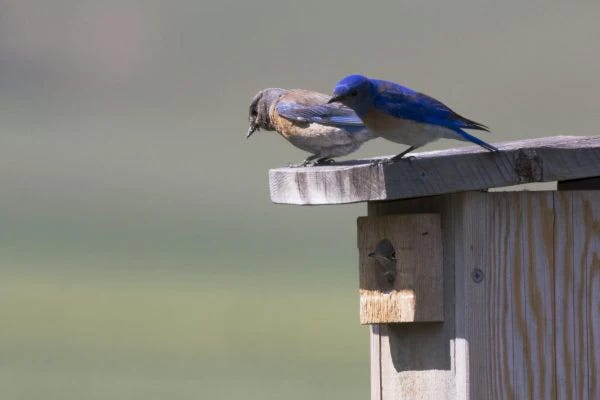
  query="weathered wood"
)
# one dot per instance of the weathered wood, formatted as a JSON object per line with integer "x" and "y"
{"x": 557, "y": 158}
{"x": 474, "y": 277}
{"x": 522, "y": 301}
{"x": 532, "y": 263}
{"x": 571, "y": 381}
{"x": 413, "y": 292}
{"x": 578, "y": 294}
{"x": 416, "y": 359}
{"x": 410, "y": 368}
{"x": 508, "y": 313}
{"x": 375, "y": 362}
{"x": 585, "y": 216}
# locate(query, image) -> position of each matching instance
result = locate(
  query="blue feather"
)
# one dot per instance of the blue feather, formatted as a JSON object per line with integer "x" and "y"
{"x": 476, "y": 140}
{"x": 406, "y": 103}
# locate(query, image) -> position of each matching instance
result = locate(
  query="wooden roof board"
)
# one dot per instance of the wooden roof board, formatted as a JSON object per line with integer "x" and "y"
{"x": 556, "y": 158}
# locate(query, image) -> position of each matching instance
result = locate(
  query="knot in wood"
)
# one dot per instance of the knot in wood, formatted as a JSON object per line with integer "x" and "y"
{"x": 529, "y": 167}
{"x": 477, "y": 275}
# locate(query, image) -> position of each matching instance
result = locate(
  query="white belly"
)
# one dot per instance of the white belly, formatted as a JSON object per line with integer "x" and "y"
{"x": 406, "y": 131}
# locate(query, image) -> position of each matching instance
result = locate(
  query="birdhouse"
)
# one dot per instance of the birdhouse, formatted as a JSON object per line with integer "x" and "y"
{"x": 472, "y": 293}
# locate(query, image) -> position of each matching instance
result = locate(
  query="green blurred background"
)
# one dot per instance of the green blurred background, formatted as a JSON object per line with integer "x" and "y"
{"x": 140, "y": 257}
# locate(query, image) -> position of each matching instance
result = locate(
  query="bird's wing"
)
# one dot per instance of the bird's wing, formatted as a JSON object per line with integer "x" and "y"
{"x": 305, "y": 106}
{"x": 405, "y": 103}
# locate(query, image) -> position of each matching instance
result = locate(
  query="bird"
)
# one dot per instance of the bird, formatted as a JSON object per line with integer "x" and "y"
{"x": 403, "y": 115}
{"x": 307, "y": 121}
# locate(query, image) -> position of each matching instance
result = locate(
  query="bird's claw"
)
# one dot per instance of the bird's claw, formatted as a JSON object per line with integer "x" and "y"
{"x": 383, "y": 161}
{"x": 324, "y": 161}
{"x": 392, "y": 160}
{"x": 313, "y": 163}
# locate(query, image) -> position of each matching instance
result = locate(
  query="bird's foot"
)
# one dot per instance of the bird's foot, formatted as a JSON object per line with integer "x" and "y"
{"x": 324, "y": 161}
{"x": 401, "y": 158}
{"x": 403, "y": 154}
{"x": 311, "y": 162}
{"x": 393, "y": 160}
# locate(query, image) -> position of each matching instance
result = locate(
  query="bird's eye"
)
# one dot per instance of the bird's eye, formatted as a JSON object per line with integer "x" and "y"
{"x": 354, "y": 93}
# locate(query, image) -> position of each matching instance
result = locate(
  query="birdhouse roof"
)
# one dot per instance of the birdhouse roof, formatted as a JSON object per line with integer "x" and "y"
{"x": 558, "y": 158}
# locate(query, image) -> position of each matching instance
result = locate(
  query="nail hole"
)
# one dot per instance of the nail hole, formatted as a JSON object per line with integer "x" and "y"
{"x": 477, "y": 275}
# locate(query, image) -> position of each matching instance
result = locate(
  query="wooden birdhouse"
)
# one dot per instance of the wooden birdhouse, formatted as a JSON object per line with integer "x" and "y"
{"x": 472, "y": 293}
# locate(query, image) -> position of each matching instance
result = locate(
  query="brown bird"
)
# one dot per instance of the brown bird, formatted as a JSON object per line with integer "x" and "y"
{"x": 304, "y": 118}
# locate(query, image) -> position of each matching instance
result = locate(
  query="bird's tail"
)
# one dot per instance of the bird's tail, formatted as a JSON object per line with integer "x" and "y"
{"x": 467, "y": 123}
{"x": 475, "y": 140}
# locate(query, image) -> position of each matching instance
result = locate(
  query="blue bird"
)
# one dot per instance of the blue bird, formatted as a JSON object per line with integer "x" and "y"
{"x": 307, "y": 121}
{"x": 403, "y": 115}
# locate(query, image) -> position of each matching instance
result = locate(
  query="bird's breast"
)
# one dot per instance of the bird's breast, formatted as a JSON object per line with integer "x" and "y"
{"x": 313, "y": 137}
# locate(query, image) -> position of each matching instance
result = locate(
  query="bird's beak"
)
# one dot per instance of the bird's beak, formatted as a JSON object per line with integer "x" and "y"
{"x": 371, "y": 255}
{"x": 251, "y": 130}
{"x": 334, "y": 99}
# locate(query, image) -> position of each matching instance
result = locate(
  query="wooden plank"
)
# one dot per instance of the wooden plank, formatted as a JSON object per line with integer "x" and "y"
{"x": 415, "y": 291}
{"x": 505, "y": 269}
{"x": 586, "y": 263}
{"x": 509, "y": 302}
{"x": 569, "y": 325}
{"x": 417, "y": 359}
{"x": 483, "y": 317}
{"x": 375, "y": 338}
{"x": 460, "y": 345}
{"x": 533, "y": 284}
{"x": 556, "y": 158}
{"x": 490, "y": 232}
{"x": 415, "y": 363}
{"x": 577, "y": 294}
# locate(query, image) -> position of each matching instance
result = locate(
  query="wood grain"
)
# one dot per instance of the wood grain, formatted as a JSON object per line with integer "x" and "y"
{"x": 416, "y": 294}
{"x": 532, "y": 263}
{"x": 585, "y": 214}
{"x": 570, "y": 384}
{"x": 556, "y": 158}
{"x": 476, "y": 316}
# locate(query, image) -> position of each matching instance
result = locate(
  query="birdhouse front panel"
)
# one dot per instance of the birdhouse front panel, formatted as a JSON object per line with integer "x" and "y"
{"x": 400, "y": 268}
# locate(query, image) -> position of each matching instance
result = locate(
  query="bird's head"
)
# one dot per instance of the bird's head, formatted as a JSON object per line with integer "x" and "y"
{"x": 258, "y": 113}
{"x": 354, "y": 91}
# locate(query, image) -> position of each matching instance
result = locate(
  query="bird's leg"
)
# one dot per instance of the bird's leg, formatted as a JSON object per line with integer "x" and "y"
{"x": 405, "y": 152}
{"x": 324, "y": 161}
{"x": 306, "y": 162}
{"x": 398, "y": 157}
